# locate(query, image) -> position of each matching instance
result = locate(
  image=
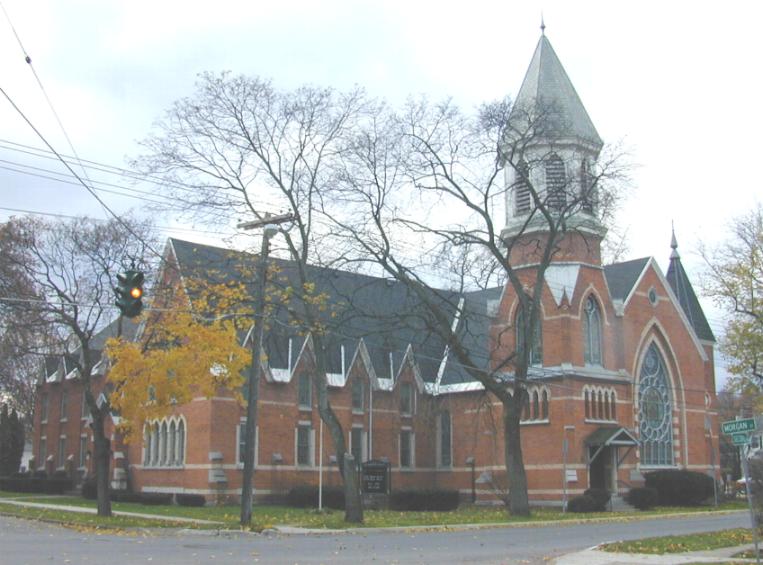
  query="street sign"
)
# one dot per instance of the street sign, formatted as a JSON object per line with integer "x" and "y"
{"x": 740, "y": 438}
{"x": 735, "y": 426}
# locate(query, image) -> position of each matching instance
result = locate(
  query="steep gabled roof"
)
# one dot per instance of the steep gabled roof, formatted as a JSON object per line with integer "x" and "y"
{"x": 622, "y": 277}
{"x": 473, "y": 329}
{"x": 682, "y": 288}
{"x": 385, "y": 314}
{"x": 546, "y": 88}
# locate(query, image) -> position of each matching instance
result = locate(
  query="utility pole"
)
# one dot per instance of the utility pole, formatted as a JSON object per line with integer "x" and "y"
{"x": 270, "y": 227}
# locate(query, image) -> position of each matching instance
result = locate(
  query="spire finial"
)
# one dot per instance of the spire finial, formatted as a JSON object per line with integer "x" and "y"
{"x": 673, "y": 242}
{"x": 542, "y": 25}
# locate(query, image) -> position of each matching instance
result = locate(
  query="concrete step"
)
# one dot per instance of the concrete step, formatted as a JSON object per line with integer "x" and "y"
{"x": 619, "y": 505}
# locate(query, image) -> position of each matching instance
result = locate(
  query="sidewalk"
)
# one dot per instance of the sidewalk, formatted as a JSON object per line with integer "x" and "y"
{"x": 82, "y": 510}
{"x": 594, "y": 556}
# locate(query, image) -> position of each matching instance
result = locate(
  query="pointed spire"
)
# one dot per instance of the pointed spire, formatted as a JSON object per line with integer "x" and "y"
{"x": 682, "y": 288}
{"x": 673, "y": 243}
{"x": 547, "y": 88}
{"x": 542, "y": 25}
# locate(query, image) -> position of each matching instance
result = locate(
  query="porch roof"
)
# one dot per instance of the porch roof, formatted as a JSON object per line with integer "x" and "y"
{"x": 611, "y": 435}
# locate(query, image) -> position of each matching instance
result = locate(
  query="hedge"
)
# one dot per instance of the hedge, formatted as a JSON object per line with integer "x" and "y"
{"x": 190, "y": 499}
{"x": 642, "y": 498}
{"x": 583, "y": 503}
{"x": 26, "y": 483}
{"x": 601, "y": 497}
{"x": 424, "y": 499}
{"x": 677, "y": 487}
{"x": 306, "y": 496}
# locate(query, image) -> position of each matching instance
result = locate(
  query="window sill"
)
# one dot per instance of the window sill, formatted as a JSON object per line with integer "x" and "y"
{"x": 533, "y": 422}
{"x": 305, "y": 408}
{"x": 406, "y": 469}
{"x": 599, "y": 421}
{"x": 64, "y": 420}
{"x": 163, "y": 467}
{"x": 304, "y": 467}
{"x": 358, "y": 412}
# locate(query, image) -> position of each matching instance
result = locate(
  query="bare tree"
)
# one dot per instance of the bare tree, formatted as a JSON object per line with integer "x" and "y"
{"x": 240, "y": 146}
{"x": 71, "y": 267}
{"x": 424, "y": 183}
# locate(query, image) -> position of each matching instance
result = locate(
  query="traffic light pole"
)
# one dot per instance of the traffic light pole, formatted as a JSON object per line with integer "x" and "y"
{"x": 269, "y": 224}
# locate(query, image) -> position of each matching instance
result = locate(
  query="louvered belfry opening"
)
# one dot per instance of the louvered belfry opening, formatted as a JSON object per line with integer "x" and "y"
{"x": 522, "y": 198}
{"x": 556, "y": 198}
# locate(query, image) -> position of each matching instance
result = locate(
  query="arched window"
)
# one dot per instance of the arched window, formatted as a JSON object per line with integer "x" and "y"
{"x": 555, "y": 183}
{"x": 655, "y": 410}
{"x": 163, "y": 444}
{"x": 587, "y": 394}
{"x": 180, "y": 444}
{"x": 614, "y": 406}
{"x": 607, "y": 412}
{"x": 600, "y": 406}
{"x": 544, "y": 405}
{"x": 526, "y": 407}
{"x": 536, "y": 406}
{"x": 146, "y": 444}
{"x": 592, "y": 332}
{"x": 522, "y": 197}
{"x": 171, "y": 454}
{"x": 535, "y": 356}
{"x": 154, "y": 444}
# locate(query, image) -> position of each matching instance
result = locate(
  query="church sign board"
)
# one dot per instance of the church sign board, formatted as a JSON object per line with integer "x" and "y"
{"x": 375, "y": 477}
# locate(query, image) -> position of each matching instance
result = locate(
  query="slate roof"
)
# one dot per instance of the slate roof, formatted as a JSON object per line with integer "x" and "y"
{"x": 474, "y": 332}
{"x": 682, "y": 288}
{"x": 545, "y": 87}
{"x": 385, "y": 314}
{"x": 68, "y": 361}
{"x": 621, "y": 277}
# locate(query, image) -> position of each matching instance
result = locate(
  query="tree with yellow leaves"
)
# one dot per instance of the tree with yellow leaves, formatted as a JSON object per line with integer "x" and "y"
{"x": 190, "y": 348}
{"x": 735, "y": 280}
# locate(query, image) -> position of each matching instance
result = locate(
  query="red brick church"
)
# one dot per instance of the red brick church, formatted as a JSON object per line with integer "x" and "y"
{"x": 622, "y": 379}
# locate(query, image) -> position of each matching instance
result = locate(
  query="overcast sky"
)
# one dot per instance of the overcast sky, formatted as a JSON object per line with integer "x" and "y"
{"x": 679, "y": 83}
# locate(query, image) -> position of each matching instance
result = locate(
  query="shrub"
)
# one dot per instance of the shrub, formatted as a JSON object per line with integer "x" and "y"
{"x": 601, "y": 497}
{"x": 584, "y": 503}
{"x": 89, "y": 489}
{"x": 190, "y": 499}
{"x": 680, "y": 488}
{"x": 155, "y": 498}
{"x": 124, "y": 496}
{"x": 439, "y": 500}
{"x": 306, "y": 496}
{"x": 642, "y": 498}
{"x": 57, "y": 485}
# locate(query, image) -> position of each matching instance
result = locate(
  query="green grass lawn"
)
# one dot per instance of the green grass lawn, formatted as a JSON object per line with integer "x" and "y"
{"x": 682, "y": 544}
{"x": 268, "y": 515}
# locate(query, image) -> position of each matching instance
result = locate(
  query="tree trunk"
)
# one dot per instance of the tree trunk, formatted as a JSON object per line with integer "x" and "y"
{"x": 353, "y": 504}
{"x": 512, "y": 446}
{"x": 102, "y": 460}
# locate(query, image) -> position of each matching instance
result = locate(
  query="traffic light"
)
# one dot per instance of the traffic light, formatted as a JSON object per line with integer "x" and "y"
{"x": 129, "y": 293}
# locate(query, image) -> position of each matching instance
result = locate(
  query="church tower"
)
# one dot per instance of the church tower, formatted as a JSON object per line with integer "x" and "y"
{"x": 550, "y": 152}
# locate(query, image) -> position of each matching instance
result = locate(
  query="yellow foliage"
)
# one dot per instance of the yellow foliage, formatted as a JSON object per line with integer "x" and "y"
{"x": 183, "y": 355}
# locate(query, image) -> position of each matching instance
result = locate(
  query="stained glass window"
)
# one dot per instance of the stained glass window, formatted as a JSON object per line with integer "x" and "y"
{"x": 655, "y": 411}
{"x": 592, "y": 332}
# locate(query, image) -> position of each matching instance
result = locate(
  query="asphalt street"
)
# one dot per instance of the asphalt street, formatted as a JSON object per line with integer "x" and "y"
{"x": 30, "y": 542}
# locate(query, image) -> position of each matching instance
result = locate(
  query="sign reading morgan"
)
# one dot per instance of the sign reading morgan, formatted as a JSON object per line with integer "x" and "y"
{"x": 375, "y": 477}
